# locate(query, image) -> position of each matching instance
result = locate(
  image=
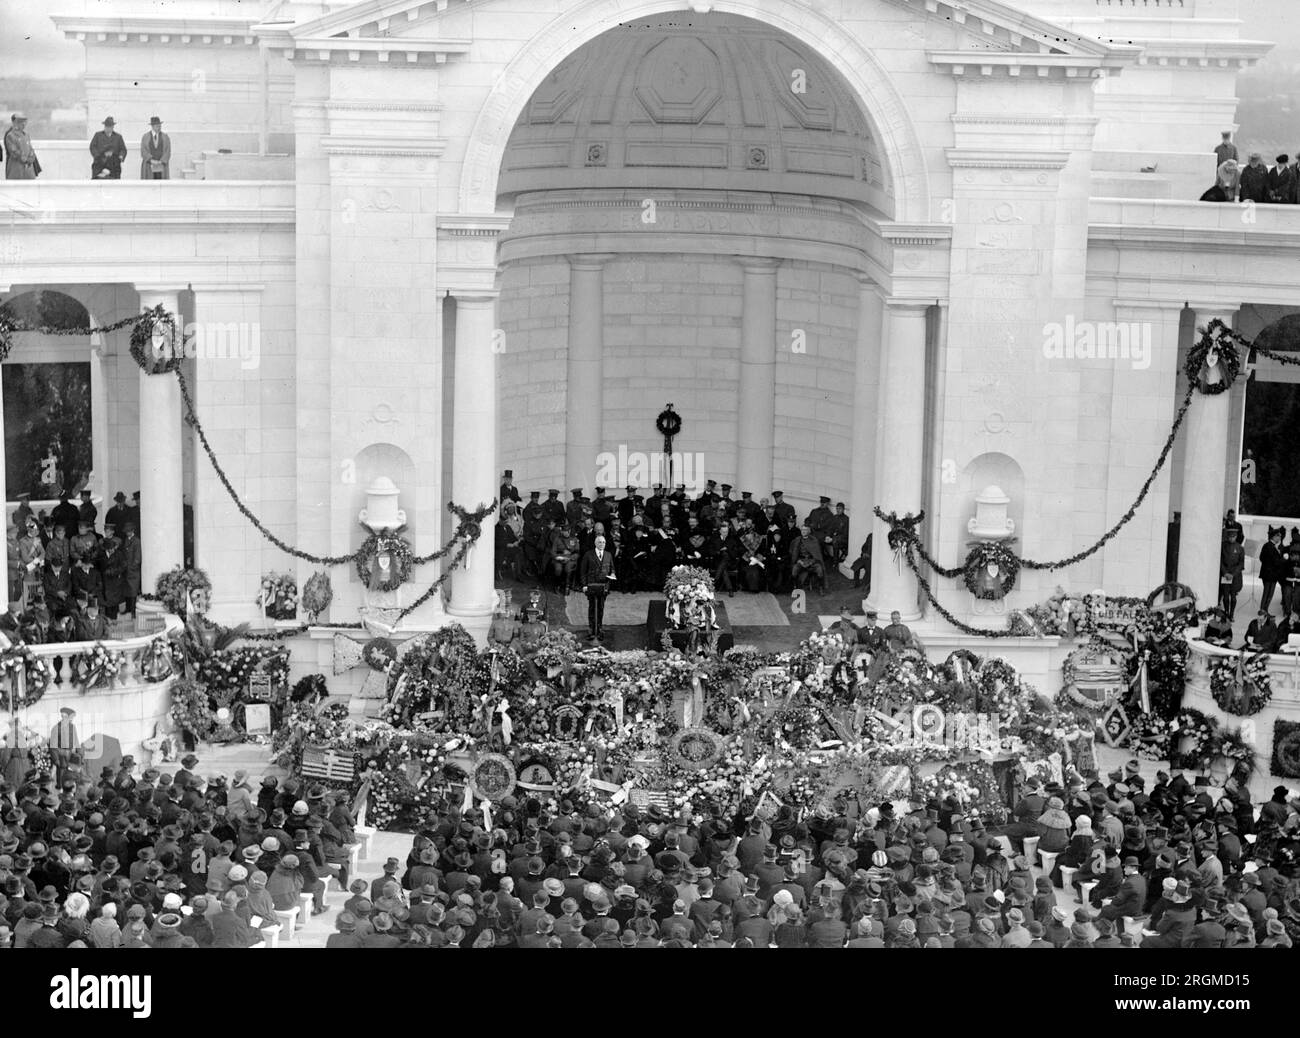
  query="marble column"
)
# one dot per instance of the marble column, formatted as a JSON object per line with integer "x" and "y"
{"x": 161, "y": 487}
{"x": 756, "y": 406}
{"x": 900, "y": 449}
{"x": 866, "y": 391}
{"x": 474, "y": 438}
{"x": 585, "y": 370}
{"x": 1205, "y": 473}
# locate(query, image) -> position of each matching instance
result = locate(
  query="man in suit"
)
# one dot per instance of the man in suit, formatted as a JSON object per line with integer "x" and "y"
{"x": 107, "y": 150}
{"x": 63, "y": 740}
{"x": 871, "y": 637}
{"x": 595, "y": 574}
{"x": 134, "y": 563}
{"x": 627, "y": 506}
{"x": 653, "y": 505}
{"x": 820, "y": 518}
{"x": 155, "y": 153}
{"x": 835, "y": 535}
{"x": 1261, "y": 635}
{"x": 116, "y": 516}
{"x": 508, "y": 490}
{"x": 1272, "y": 566}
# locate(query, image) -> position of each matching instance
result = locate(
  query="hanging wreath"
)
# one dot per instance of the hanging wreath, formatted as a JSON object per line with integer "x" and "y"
{"x": 152, "y": 359}
{"x": 1244, "y": 695}
{"x": 317, "y": 594}
{"x": 39, "y": 672}
{"x": 175, "y": 586}
{"x": 1217, "y": 346}
{"x": 988, "y": 554}
{"x": 398, "y": 551}
{"x": 669, "y": 422}
{"x": 379, "y": 654}
{"x": 901, "y": 531}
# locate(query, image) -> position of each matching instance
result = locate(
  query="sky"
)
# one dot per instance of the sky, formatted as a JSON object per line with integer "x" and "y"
{"x": 30, "y": 46}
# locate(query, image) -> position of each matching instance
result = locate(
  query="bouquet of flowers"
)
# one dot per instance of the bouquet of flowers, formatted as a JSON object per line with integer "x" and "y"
{"x": 98, "y": 668}
{"x": 689, "y": 590}
{"x": 175, "y": 585}
{"x": 278, "y": 597}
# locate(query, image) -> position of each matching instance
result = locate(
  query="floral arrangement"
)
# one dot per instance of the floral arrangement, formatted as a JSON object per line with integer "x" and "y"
{"x": 1189, "y": 740}
{"x": 689, "y": 590}
{"x": 309, "y": 689}
{"x": 971, "y": 783}
{"x": 1240, "y": 686}
{"x": 317, "y": 594}
{"x": 278, "y": 596}
{"x": 228, "y": 670}
{"x": 39, "y": 674}
{"x": 174, "y": 587}
{"x": 303, "y": 726}
{"x": 157, "y": 660}
{"x": 98, "y": 668}
{"x": 191, "y": 709}
{"x": 42, "y": 759}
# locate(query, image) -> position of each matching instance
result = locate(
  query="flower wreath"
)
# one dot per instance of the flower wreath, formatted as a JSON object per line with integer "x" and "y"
{"x": 394, "y": 546}
{"x": 985, "y": 554}
{"x": 1222, "y": 341}
{"x": 39, "y": 671}
{"x": 999, "y": 690}
{"x": 1246, "y": 697}
{"x": 669, "y": 422}
{"x": 143, "y": 351}
{"x": 174, "y": 587}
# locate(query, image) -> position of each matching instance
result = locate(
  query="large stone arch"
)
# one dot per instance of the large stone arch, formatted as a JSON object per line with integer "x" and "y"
{"x": 876, "y": 92}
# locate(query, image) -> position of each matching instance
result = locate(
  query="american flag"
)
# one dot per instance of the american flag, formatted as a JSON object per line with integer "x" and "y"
{"x": 325, "y": 763}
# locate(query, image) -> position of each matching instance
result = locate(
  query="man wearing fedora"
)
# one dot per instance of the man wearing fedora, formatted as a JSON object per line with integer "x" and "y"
{"x": 155, "y": 153}
{"x": 107, "y": 150}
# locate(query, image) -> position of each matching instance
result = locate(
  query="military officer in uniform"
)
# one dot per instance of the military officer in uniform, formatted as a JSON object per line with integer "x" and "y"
{"x": 63, "y": 741}
{"x": 602, "y": 508}
{"x": 553, "y": 508}
{"x": 783, "y": 513}
{"x": 534, "y": 537}
{"x": 820, "y": 518}
{"x": 573, "y": 510}
{"x": 726, "y": 504}
{"x": 653, "y": 505}
{"x": 897, "y": 633}
{"x": 628, "y": 506}
{"x": 746, "y": 508}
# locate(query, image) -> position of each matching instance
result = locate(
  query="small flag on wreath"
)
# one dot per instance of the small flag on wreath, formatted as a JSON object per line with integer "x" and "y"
{"x": 323, "y": 762}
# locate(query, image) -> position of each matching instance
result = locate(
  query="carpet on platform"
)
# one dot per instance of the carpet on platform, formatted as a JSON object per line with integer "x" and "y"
{"x": 747, "y": 610}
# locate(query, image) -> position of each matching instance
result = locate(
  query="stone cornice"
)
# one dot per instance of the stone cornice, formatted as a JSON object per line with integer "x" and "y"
{"x": 157, "y": 30}
{"x": 413, "y": 147}
{"x": 999, "y": 158}
{"x": 1044, "y": 119}
{"x": 395, "y": 52}
{"x": 977, "y": 63}
{"x": 1199, "y": 54}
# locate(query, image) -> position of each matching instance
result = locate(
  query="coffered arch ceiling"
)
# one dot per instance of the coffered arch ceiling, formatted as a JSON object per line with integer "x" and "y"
{"x": 697, "y": 101}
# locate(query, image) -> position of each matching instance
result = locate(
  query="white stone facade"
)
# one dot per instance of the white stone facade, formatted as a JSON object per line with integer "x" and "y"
{"x": 864, "y": 267}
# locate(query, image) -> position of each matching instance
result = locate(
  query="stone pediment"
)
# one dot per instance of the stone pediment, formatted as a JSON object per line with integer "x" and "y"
{"x": 995, "y": 25}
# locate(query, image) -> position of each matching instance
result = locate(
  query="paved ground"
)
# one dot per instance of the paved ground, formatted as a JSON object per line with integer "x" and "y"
{"x": 839, "y": 591}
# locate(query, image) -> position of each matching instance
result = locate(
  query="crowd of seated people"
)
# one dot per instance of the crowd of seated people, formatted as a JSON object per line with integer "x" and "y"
{"x": 747, "y": 545}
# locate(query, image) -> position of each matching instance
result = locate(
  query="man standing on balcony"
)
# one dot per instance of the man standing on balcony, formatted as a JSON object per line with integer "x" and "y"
{"x": 20, "y": 158}
{"x": 108, "y": 150}
{"x": 155, "y": 153}
{"x": 1224, "y": 150}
